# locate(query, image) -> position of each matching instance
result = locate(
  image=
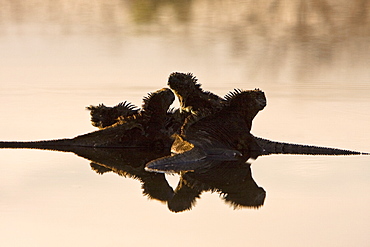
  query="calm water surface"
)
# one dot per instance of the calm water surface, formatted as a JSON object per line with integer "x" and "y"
{"x": 310, "y": 57}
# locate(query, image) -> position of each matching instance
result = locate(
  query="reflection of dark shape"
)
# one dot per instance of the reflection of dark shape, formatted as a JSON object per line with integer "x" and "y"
{"x": 148, "y": 128}
{"x": 231, "y": 179}
{"x": 126, "y": 162}
{"x": 129, "y": 163}
{"x": 184, "y": 197}
{"x": 103, "y": 116}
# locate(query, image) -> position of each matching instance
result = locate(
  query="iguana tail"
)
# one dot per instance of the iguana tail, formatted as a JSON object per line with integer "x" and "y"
{"x": 64, "y": 145}
{"x": 273, "y": 147}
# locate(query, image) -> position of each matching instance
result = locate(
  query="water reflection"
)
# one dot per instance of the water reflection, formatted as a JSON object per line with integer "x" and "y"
{"x": 232, "y": 180}
{"x": 129, "y": 163}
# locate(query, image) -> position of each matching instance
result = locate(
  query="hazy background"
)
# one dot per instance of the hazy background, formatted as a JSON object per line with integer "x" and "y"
{"x": 310, "y": 57}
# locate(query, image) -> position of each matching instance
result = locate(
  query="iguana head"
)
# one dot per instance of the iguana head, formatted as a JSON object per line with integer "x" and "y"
{"x": 247, "y": 103}
{"x": 184, "y": 84}
{"x": 158, "y": 101}
{"x": 190, "y": 93}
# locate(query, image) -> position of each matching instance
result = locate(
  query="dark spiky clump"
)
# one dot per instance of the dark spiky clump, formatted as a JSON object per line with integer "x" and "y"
{"x": 233, "y": 94}
{"x": 179, "y": 80}
{"x": 253, "y": 198}
{"x": 188, "y": 83}
{"x": 191, "y": 96}
{"x": 237, "y": 95}
{"x": 248, "y": 102}
{"x": 103, "y": 116}
{"x": 158, "y": 101}
{"x": 99, "y": 169}
{"x": 184, "y": 197}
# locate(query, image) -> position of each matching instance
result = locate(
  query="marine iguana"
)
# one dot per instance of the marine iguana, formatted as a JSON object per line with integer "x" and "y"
{"x": 103, "y": 116}
{"x": 192, "y": 96}
{"x": 148, "y": 128}
{"x": 194, "y": 99}
{"x": 215, "y": 136}
{"x": 222, "y": 134}
{"x": 186, "y": 88}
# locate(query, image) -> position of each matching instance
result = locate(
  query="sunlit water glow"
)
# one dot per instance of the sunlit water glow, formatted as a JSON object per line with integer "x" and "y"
{"x": 310, "y": 58}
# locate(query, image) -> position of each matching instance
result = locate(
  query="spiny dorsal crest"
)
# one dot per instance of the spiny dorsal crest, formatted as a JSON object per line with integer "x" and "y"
{"x": 238, "y": 93}
{"x": 123, "y": 107}
{"x": 233, "y": 94}
{"x": 147, "y": 100}
{"x": 128, "y": 106}
{"x": 178, "y": 76}
{"x": 178, "y": 81}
